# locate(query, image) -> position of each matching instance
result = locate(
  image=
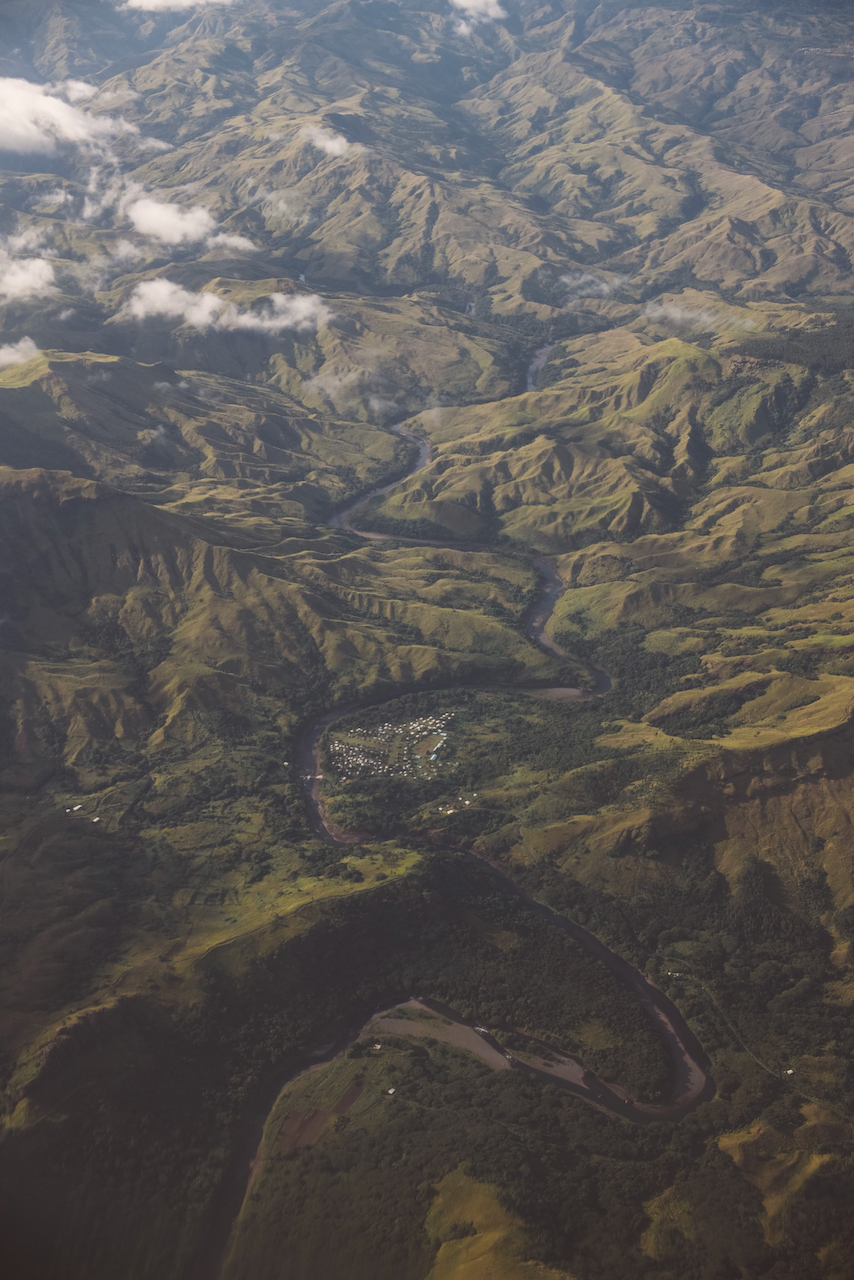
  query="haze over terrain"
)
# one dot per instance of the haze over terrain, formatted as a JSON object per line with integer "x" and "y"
{"x": 287, "y": 779}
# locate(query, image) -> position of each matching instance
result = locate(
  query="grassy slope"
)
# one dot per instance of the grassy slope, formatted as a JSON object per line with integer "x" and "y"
{"x": 175, "y": 605}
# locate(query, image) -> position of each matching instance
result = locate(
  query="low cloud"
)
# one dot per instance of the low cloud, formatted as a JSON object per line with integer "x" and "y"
{"x": 477, "y": 11}
{"x": 284, "y": 312}
{"x": 586, "y": 285}
{"x": 125, "y": 251}
{"x": 77, "y": 90}
{"x": 380, "y": 406}
{"x": 36, "y": 119}
{"x": 367, "y": 385}
{"x": 18, "y": 352}
{"x": 682, "y": 317}
{"x": 104, "y": 190}
{"x": 59, "y": 196}
{"x": 172, "y": 225}
{"x": 331, "y": 385}
{"x": 695, "y": 317}
{"x": 169, "y": 223}
{"x": 225, "y": 240}
{"x": 23, "y": 278}
{"x": 27, "y": 240}
{"x": 334, "y": 144}
{"x": 153, "y": 144}
{"x": 207, "y": 311}
{"x": 122, "y": 94}
{"x": 292, "y": 205}
{"x": 159, "y": 6}
{"x": 163, "y": 298}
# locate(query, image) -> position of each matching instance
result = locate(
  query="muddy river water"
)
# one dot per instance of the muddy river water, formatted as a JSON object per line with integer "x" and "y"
{"x": 689, "y": 1063}
{"x": 691, "y": 1082}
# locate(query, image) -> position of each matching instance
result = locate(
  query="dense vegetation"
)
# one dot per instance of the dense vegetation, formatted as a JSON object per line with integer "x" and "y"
{"x": 142, "y": 1137}
{"x": 599, "y": 256}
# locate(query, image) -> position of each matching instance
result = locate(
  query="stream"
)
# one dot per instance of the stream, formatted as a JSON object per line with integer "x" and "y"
{"x": 692, "y": 1083}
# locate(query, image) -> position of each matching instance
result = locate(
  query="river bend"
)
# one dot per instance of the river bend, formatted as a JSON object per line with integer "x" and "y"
{"x": 689, "y": 1063}
{"x": 690, "y": 1068}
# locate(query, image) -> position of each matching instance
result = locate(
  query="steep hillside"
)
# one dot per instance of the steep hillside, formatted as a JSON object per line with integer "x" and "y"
{"x": 273, "y": 759}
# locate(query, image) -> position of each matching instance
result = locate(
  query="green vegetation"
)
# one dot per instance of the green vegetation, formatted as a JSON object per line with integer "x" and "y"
{"x": 385, "y": 214}
{"x": 508, "y": 759}
{"x": 292, "y": 995}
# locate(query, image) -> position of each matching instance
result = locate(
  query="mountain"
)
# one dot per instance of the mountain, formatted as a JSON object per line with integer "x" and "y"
{"x": 457, "y": 882}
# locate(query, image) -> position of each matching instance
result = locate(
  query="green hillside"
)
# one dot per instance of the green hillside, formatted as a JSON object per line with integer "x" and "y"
{"x": 570, "y": 689}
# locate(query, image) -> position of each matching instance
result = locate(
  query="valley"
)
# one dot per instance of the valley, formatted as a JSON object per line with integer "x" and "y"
{"x": 425, "y": 471}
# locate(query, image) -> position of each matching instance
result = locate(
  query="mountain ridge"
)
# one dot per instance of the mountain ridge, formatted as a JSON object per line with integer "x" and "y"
{"x": 598, "y": 258}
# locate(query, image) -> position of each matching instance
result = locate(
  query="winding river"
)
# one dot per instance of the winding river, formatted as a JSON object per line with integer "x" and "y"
{"x": 688, "y": 1061}
{"x": 692, "y": 1083}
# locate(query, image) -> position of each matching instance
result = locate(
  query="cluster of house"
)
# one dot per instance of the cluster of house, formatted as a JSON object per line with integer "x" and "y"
{"x": 465, "y": 804}
{"x": 351, "y": 761}
{"x": 74, "y": 809}
{"x": 389, "y": 750}
{"x": 834, "y": 51}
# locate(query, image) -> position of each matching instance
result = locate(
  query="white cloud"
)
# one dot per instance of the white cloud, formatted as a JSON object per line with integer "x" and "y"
{"x": 380, "y": 405}
{"x": 18, "y": 352}
{"x": 292, "y": 205}
{"x": 209, "y": 395}
{"x": 163, "y": 298}
{"x": 226, "y": 240}
{"x": 158, "y": 6}
{"x": 334, "y": 144}
{"x": 304, "y": 311}
{"x": 108, "y": 188}
{"x": 103, "y": 190}
{"x": 123, "y": 94}
{"x": 169, "y": 223}
{"x": 154, "y": 144}
{"x": 125, "y": 251}
{"x": 206, "y": 310}
{"x": 367, "y": 384}
{"x": 586, "y": 285}
{"x": 33, "y": 119}
{"x": 23, "y": 278}
{"x": 682, "y": 317}
{"x": 27, "y": 240}
{"x": 477, "y": 11}
{"x": 330, "y": 385}
{"x": 165, "y": 388}
{"x": 281, "y": 204}
{"x": 81, "y": 91}
{"x": 77, "y": 90}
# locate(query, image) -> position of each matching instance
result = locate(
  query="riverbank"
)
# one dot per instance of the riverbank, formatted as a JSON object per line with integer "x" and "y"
{"x": 692, "y": 1082}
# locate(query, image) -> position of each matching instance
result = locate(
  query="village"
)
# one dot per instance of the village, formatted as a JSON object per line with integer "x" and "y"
{"x": 407, "y": 750}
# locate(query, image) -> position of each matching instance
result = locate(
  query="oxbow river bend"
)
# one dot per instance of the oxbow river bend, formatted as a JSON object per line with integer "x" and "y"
{"x": 690, "y": 1067}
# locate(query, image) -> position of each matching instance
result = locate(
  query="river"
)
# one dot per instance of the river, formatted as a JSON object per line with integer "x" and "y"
{"x": 690, "y": 1067}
